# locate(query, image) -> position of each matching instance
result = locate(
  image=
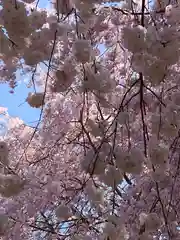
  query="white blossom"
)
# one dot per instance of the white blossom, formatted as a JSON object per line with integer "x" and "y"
{"x": 15, "y": 20}
{"x": 112, "y": 177}
{"x": 145, "y": 236}
{"x": 134, "y": 38}
{"x": 159, "y": 155}
{"x": 113, "y": 232}
{"x": 172, "y": 13}
{"x": 3, "y": 224}
{"x": 93, "y": 163}
{"x": 35, "y": 99}
{"x": 10, "y": 185}
{"x": 95, "y": 195}
{"x": 37, "y": 19}
{"x": 82, "y": 50}
{"x": 4, "y": 153}
{"x": 99, "y": 81}
{"x": 94, "y": 129}
{"x": 130, "y": 162}
{"x": 63, "y": 212}
{"x": 122, "y": 117}
{"x": 142, "y": 218}
{"x": 152, "y": 222}
{"x": 155, "y": 72}
{"x": 62, "y": 6}
{"x": 63, "y": 77}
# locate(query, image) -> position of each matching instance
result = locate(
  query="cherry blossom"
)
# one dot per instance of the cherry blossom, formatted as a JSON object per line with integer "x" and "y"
{"x": 102, "y": 161}
{"x": 35, "y": 99}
